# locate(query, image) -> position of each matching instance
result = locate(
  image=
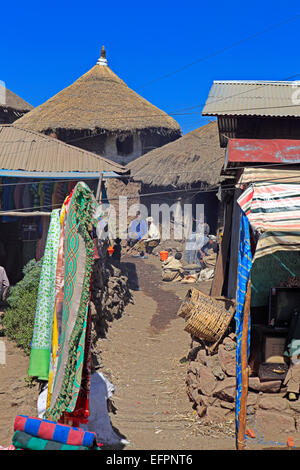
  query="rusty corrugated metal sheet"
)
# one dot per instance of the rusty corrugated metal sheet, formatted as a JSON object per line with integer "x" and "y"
{"x": 273, "y": 151}
{"x": 26, "y": 150}
{"x": 253, "y": 98}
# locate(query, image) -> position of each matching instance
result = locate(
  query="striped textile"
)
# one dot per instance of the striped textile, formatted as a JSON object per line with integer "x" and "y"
{"x": 264, "y": 175}
{"x": 244, "y": 268}
{"x": 270, "y": 242}
{"x": 42, "y": 331}
{"x": 78, "y": 263}
{"x": 272, "y": 207}
{"x": 24, "y": 441}
{"x": 50, "y": 430}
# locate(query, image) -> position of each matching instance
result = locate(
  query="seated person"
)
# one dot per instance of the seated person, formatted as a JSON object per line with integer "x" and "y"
{"x": 208, "y": 253}
{"x": 172, "y": 269}
{"x": 4, "y": 284}
{"x": 137, "y": 231}
{"x": 193, "y": 250}
{"x": 153, "y": 236}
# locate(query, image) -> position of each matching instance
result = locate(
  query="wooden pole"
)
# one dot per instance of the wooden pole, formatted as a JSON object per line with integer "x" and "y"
{"x": 219, "y": 276}
{"x": 25, "y": 214}
{"x": 245, "y": 371}
{"x": 98, "y": 195}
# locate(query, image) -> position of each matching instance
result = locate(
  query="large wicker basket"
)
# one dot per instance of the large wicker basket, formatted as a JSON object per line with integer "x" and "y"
{"x": 206, "y": 317}
{"x": 189, "y": 303}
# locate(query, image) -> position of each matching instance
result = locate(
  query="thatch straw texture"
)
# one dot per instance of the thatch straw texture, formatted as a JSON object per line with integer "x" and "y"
{"x": 196, "y": 156}
{"x": 13, "y": 101}
{"x": 99, "y": 101}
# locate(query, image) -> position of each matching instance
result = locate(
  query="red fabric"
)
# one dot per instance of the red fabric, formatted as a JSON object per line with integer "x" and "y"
{"x": 96, "y": 253}
{"x": 46, "y": 431}
{"x": 19, "y": 423}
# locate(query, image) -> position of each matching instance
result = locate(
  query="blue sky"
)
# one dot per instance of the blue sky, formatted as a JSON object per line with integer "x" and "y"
{"x": 46, "y": 46}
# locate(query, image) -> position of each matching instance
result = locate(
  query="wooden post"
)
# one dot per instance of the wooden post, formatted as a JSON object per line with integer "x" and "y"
{"x": 219, "y": 276}
{"x": 25, "y": 214}
{"x": 98, "y": 195}
{"x": 245, "y": 371}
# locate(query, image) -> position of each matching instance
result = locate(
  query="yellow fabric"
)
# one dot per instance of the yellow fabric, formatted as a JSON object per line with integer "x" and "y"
{"x": 53, "y": 353}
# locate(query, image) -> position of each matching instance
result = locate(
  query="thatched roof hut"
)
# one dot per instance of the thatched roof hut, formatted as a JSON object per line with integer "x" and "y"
{"x": 99, "y": 102}
{"x": 195, "y": 157}
{"x": 12, "y": 107}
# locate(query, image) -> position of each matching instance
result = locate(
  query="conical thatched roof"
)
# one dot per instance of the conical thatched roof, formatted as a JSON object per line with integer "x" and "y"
{"x": 196, "y": 156}
{"x": 98, "y": 101}
{"x": 10, "y": 100}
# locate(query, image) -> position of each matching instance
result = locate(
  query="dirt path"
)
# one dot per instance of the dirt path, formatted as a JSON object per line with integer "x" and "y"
{"x": 141, "y": 357}
{"x": 15, "y": 396}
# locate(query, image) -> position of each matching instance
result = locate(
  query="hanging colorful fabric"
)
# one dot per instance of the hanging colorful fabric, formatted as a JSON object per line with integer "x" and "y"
{"x": 59, "y": 295}
{"x": 78, "y": 269}
{"x": 42, "y": 332}
{"x": 244, "y": 268}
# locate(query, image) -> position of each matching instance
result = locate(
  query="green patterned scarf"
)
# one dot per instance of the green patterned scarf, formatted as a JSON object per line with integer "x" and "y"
{"x": 78, "y": 270}
{"x": 42, "y": 332}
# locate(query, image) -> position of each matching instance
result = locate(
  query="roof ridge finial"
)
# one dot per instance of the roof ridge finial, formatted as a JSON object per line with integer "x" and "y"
{"x": 102, "y": 60}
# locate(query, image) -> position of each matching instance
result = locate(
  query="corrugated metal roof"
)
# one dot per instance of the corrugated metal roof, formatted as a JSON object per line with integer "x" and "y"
{"x": 253, "y": 98}
{"x": 27, "y": 150}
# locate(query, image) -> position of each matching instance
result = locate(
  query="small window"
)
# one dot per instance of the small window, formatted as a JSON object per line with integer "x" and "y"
{"x": 125, "y": 145}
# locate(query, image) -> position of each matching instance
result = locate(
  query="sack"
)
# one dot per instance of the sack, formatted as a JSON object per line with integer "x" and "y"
{"x": 268, "y": 372}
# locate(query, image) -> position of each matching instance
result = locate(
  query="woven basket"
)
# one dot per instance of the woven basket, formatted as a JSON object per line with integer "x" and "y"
{"x": 189, "y": 303}
{"x": 207, "y": 318}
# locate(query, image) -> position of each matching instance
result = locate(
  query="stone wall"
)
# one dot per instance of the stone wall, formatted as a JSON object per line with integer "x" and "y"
{"x": 121, "y": 187}
{"x": 211, "y": 387}
{"x": 109, "y": 297}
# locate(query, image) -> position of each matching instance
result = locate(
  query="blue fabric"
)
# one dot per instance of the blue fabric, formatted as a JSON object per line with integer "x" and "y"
{"x": 139, "y": 227}
{"x": 60, "y": 431}
{"x": 61, "y": 434}
{"x": 244, "y": 268}
{"x": 32, "y": 426}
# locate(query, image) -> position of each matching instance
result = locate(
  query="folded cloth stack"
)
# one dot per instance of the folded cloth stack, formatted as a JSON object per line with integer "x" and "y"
{"x": 41, "y": 434}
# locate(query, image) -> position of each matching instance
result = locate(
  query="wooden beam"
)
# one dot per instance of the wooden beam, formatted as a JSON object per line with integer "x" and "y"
{"x": 24, "y": 214}
{"x": 245, "y": 371}
{"x": 98, "y": 195}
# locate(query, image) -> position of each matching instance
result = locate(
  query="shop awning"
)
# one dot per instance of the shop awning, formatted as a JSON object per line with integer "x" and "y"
{"x": 274, "y": 211}
{"x": 260, "y": 175}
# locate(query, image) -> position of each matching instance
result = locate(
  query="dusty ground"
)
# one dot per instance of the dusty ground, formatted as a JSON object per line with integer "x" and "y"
{"x": 144, "y": 357}
{"x": 16, "y": 397}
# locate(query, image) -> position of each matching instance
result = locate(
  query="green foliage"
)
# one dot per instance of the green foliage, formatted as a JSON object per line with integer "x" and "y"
{"x": 18, "y": 320}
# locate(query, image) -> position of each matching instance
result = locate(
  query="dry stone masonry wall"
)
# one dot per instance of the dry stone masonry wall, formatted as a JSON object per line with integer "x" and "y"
{"x": 211, "y": 387}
